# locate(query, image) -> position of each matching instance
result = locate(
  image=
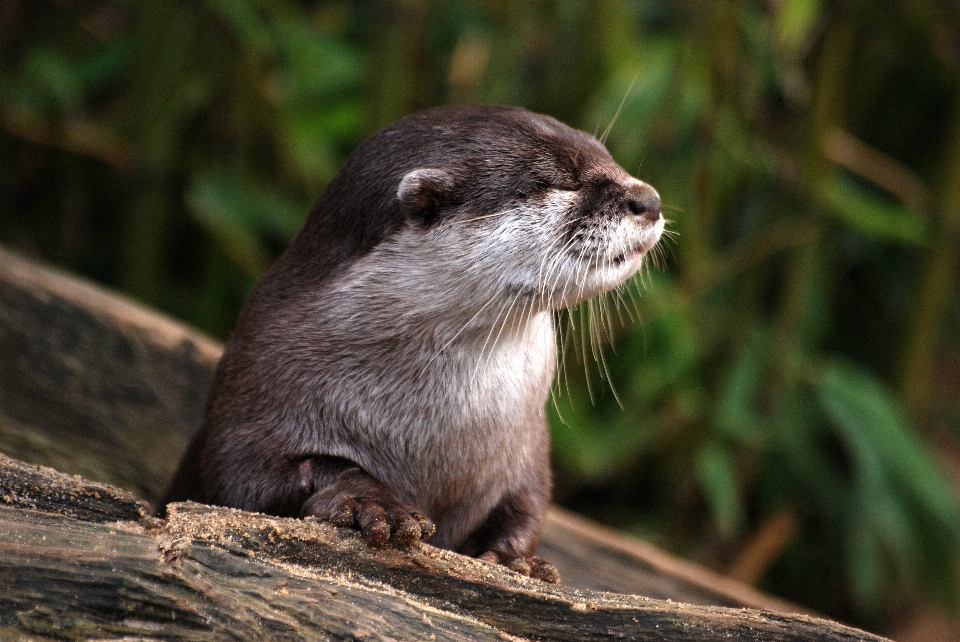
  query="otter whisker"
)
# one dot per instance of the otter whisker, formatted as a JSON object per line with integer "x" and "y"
{"x": 593, "y": 333}
{"x": 458, "y": 333}
{"x": 586, "y": 366}
{"x": 633, "y": 295}
{"x": 570, "y": 341}
{"x": 554, "y": 399}
{"x": 564, "y": 352}
{"x": 541, "y": 277}
{"x": 657, "y": 258}
{"x": 620, "y": 305}
{"x": 527, "y": 314}
{"x": 473, "y": 218}
{"x": 616, "y": 295}
{"x": 579, "y": 268}
{"x": 604, "y": 306}
{"x": 607, "y": 375}
{"x": 498, "y": 320}
{"x": 630, "y": 300}
{"x": 506, "y": 313}
{"x": 555, "y": 263}
{"x": 606, "y": 132}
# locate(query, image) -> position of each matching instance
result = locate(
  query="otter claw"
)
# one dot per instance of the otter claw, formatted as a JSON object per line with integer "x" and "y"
{"x": 372, "y": 520}
{"x": 347, "y": 496}
{"x": 544, "y": 571}
{"x": 377, "y": 524}
{"x": 344, "y": 516}
{"x": 489, "y": 557}
{"x": 407, "y": 532}
{"x": 519, "y": 565}
{"x": 427, "y": 527}
{"x": 535, "y": 567}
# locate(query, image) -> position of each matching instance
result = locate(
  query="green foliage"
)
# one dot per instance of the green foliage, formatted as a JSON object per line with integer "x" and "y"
{"x": 874, "y": 217}
{"x": 240, "y": 214}
{"x": 787, "y": 355}
{"x": 898, "y": 494}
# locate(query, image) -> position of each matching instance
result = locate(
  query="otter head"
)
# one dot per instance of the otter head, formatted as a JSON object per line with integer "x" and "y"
{"x": 494, "y": 200}
{"x": 531, "y": 206}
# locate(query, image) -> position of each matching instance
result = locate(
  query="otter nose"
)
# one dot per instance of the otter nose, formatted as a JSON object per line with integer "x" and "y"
{"x": 645, "y": 203}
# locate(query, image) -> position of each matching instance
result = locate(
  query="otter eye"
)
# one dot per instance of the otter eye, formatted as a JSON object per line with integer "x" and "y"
{"x": 564, "y": 186}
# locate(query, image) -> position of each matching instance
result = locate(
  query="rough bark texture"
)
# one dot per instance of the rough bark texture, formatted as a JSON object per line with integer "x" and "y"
{"x": 80, "y": 560}
{"x": 95, "y": 385}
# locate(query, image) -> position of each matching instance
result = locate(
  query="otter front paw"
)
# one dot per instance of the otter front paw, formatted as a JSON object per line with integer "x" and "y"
{"x": 347, "y": 495}
{"x": 379, "y": 519}
{"x": 535, "y": 567}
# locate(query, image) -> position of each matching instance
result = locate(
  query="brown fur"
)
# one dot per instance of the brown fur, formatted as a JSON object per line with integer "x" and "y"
{"x": 390, "y": 371}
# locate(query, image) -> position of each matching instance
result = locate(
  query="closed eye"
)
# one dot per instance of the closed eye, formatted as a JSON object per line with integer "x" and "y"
{"x": 544, "y": 185}
{"x": 563, "y": 186}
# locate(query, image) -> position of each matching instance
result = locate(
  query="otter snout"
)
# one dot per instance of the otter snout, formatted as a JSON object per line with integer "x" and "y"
{"x": 643, "y": 202}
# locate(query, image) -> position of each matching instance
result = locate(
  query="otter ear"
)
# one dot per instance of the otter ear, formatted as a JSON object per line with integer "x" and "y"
{"x": 422, "y": 193}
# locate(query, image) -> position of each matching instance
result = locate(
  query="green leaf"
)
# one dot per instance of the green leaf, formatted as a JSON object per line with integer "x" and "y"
{"x": 736, "y": 413}
{"x": 795, "y": 20}
{"x": 311, "y": 135}
{"x": 54, "y": 75}
{"x": 244, "y": 20}
{"x": 871, "y": 420}
{"x": 716, "y": 473}
{"x": 864, "y": 559}
{"x": 899, "y": 490}
{"x": 871, "y": 215}
{"x": 238, "y": 214}
{"x": 577, "y": 442}
{"x": 317, "y": 66}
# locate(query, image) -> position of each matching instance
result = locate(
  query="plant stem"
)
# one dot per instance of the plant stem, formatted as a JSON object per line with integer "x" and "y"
{"x": 936, "y": 286}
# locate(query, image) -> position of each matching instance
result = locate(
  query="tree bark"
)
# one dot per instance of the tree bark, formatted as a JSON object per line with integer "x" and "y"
{"x": 81, "y": 560}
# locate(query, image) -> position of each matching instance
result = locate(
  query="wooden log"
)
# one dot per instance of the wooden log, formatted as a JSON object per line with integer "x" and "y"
{"x": 44, "y": 489}
{"x": 65, "y": 578}
{"x": 96, "y": 385}
{"x": 591, "y": 556}
{"x": 511, "y": 603}
{"x": 210, "y": 573}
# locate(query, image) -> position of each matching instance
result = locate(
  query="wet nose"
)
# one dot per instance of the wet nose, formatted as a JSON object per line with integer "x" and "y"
{"x": 644, "y": 202}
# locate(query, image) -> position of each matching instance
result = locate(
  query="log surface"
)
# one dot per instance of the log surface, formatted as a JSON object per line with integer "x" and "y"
{"x": 211, "y": 573}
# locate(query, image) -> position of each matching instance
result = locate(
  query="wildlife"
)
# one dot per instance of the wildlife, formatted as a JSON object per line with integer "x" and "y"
{"x": 391, "y": 370}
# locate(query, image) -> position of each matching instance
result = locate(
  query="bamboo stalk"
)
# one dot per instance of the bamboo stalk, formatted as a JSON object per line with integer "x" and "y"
{"x": 936, "y": 286}
{"x": 807, "y": 262}
{"x": 721, "y": 29}
{"x": 155, "y": 119}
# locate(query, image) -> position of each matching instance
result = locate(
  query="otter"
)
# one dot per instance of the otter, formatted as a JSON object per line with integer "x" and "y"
{"x": 390, "y": 371}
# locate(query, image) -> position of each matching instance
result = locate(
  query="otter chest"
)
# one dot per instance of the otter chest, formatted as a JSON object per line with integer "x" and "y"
{"x": 461, "y": 426}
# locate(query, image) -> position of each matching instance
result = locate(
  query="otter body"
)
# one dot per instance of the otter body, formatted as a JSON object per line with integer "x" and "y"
{"x": 390, "y": 371}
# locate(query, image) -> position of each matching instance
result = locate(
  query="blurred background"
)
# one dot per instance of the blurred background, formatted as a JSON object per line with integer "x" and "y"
{"x": 781, "y": 401}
